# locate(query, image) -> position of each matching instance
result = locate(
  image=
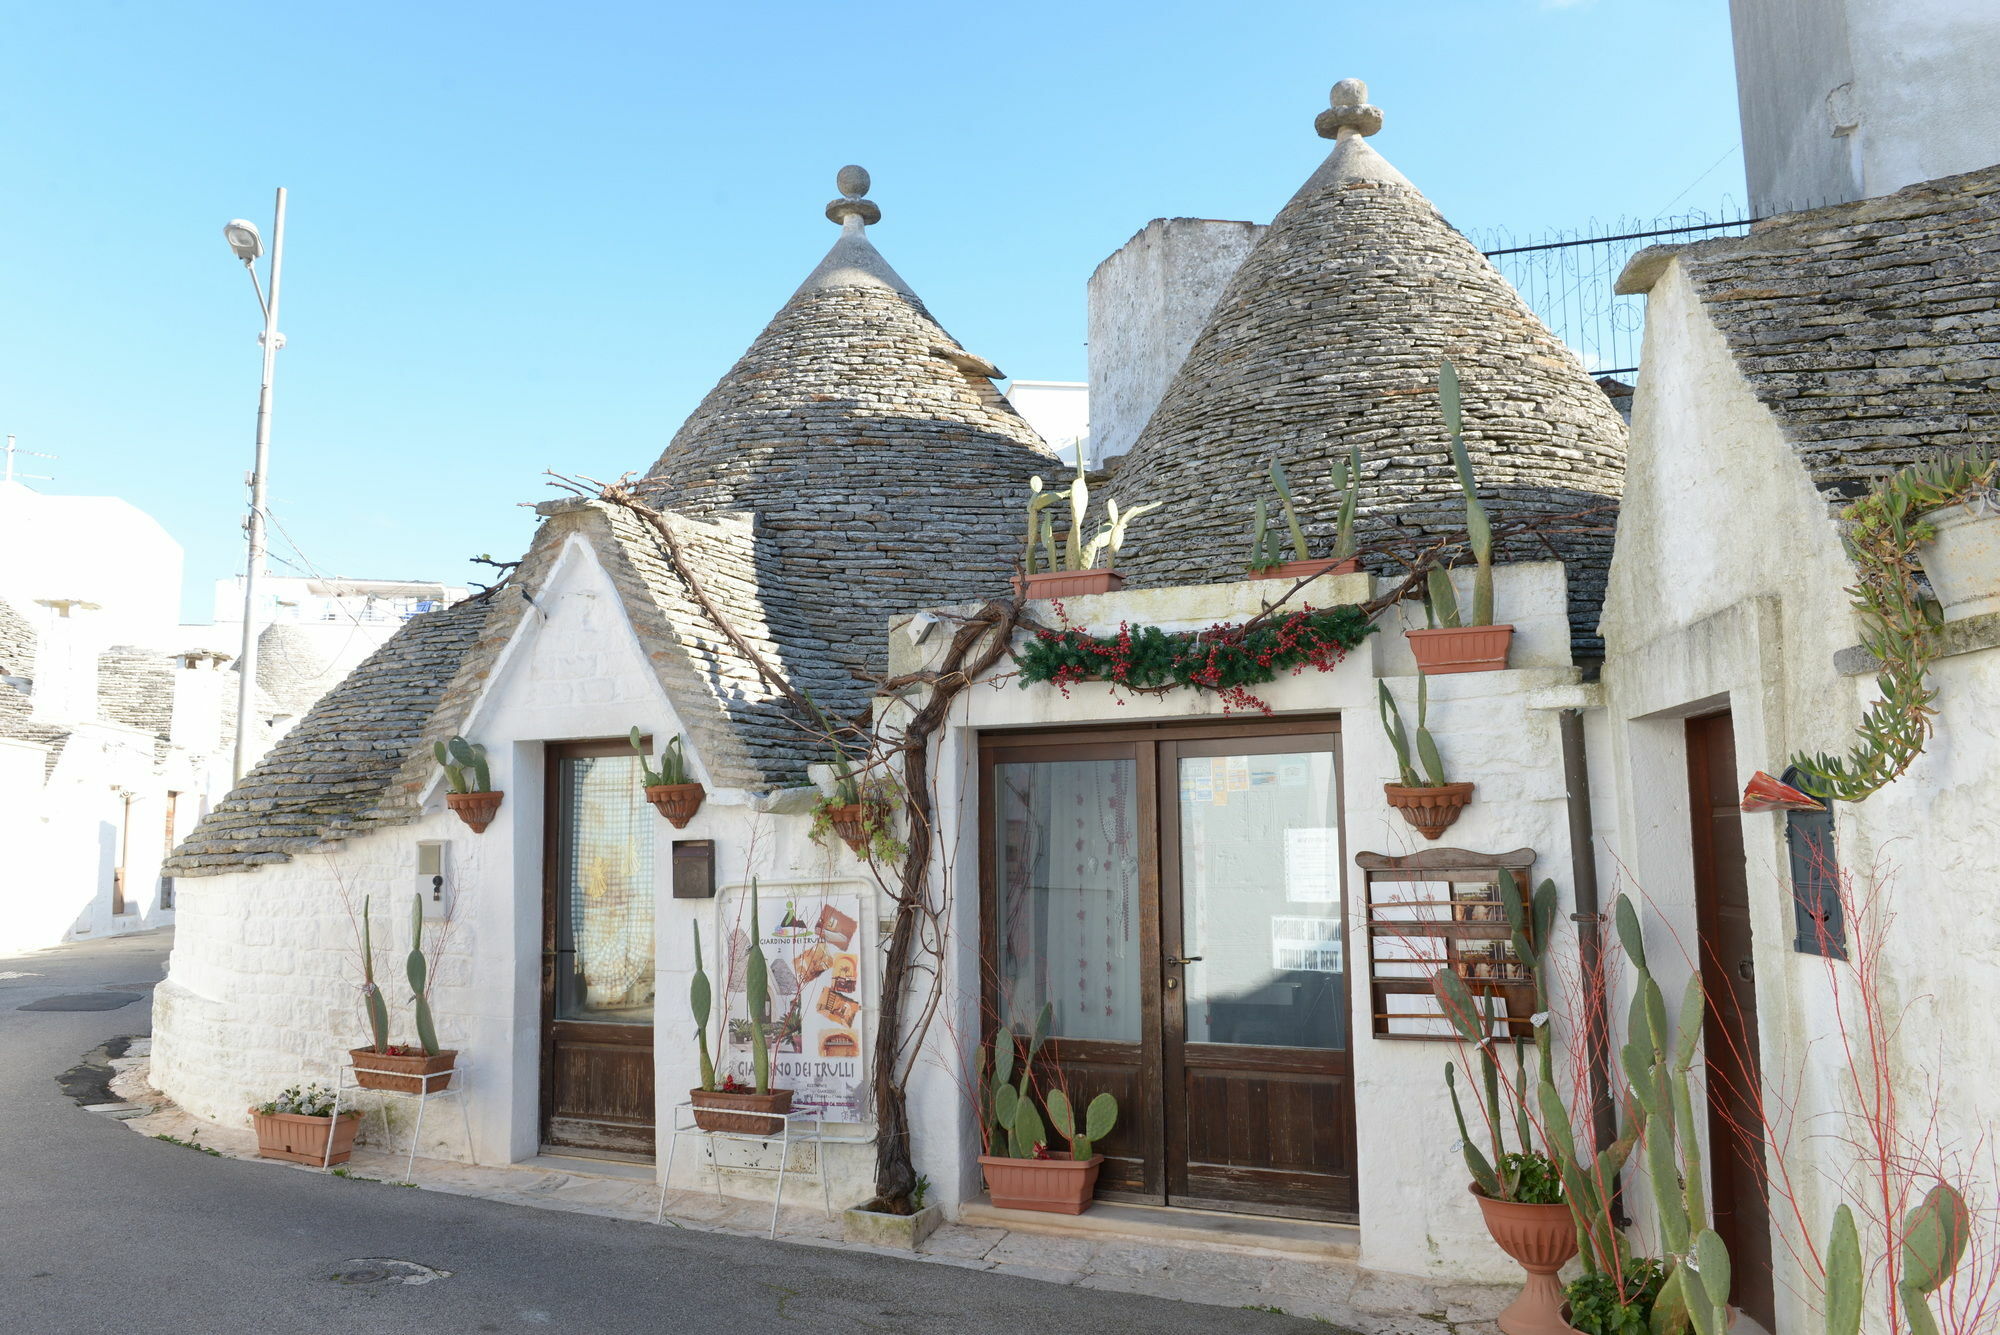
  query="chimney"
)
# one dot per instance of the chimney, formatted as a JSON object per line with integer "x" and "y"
{"x": 199, "y": 685}
{"x": 65, "y": 689}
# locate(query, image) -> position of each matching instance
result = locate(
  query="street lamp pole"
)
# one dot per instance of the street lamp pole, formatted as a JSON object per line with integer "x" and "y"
{"x": 244, "y": 241}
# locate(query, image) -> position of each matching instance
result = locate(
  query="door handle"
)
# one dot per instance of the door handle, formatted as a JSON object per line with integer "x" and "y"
{"x": 1183, "y": 959}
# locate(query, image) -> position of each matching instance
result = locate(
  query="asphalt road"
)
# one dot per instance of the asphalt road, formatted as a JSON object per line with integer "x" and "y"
{"x": 103, "y": 1231}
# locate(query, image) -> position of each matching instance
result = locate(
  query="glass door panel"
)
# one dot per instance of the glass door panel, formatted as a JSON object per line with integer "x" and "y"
{"x": 604, "y": 917}
{"x": 1260, "y": 900}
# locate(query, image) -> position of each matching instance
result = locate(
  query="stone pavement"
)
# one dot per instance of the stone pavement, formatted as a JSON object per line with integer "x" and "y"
{"x": 1330, "y": 1290}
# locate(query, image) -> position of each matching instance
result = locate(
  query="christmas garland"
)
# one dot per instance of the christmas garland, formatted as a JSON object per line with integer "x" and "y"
{"x": 1226, "y": 659}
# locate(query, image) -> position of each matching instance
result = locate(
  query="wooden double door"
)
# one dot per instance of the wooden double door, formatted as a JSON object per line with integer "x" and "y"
{"x": 597, "y": 953}
{"x": 1175, "y": 896}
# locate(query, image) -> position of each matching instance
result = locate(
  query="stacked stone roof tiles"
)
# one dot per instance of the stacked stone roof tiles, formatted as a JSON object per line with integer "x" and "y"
{"x": 1330, "y": 335}
{"x": 135, "y": 686}
{"x": 1871, "y": 330}
{"x": 17, "y": 660}
{"x": 332, "y": 775}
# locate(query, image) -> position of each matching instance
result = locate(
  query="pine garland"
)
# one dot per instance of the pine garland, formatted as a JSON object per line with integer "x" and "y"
{"x": 1226, "y": 658}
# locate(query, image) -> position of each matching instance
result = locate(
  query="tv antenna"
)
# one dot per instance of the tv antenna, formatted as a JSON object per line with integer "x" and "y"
{"x": 9, "y": 475}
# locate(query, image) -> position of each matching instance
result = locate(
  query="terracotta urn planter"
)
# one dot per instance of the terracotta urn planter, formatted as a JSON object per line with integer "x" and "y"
{"x": 1052, "y": 1186}
{"x": 1296, "y": 570}
{"x": 856, "y": 823}
{"x": 1072, "y": 583}
{"x": 1542, "y": 1238}
{"x": 404, "y": 1072}
{"x": 743, "y": 1111}
{"x": 297, "y": 1138}
{"x": 475, "y": 809}
{"x": 1447, "y": 649}
{"x": 1963, "y": 561}
{"x": 676, "y": 801}
{"x": 1431, "y": 810}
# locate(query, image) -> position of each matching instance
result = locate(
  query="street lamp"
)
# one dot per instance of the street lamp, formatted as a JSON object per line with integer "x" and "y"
{"x": 247, "y": 244}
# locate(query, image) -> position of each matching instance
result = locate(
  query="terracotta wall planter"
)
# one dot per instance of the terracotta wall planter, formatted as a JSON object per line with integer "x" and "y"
{"x": 739, "y": 1110}
{"x": 1053, "y": 1186}
{"x": 1449, "y": 649}
{"x": 1073, "y": 583}
{"x": 1431, "y": 810}
{"x": 475, "y": 809}
{"x": 1297, "y": 570}
{"x": 676, "y": 801}
{"x": 1542, "y": 1238}
{"x": 300, "y": 1139}
{"x": 403, "y": 1074}
{"x": 856, "y": 823}
{"x": 1963, "y": 561}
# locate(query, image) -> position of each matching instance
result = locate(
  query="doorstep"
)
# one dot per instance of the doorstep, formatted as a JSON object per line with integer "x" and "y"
{"x": 1114, "y": 1221}
{"x": 589, "y": 1165}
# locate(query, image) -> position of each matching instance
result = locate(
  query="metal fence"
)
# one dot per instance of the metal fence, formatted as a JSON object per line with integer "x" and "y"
{"x": 1566, "y": 277}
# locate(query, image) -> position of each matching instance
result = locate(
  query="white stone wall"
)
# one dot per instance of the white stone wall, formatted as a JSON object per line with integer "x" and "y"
{"x": 1727, "y": 590}
{"x": 1149, "y": 301}
{"x": 1497, "y": 729}
{"x": 263, "y": 989}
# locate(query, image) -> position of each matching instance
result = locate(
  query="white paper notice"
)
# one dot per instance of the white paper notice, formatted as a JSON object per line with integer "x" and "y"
{"x": 1312, "y": 865}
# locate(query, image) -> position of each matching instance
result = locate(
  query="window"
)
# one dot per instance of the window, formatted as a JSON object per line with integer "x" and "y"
{"x": 1821, "y": 926}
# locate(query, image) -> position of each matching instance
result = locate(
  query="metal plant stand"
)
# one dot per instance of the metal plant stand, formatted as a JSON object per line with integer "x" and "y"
{"x": 801, "y": 1128}
{"x": 456, "y": 1092}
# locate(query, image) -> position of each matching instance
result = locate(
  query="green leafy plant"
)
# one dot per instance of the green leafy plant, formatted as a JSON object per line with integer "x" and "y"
{"x": 921, "y": 1190}
{"x": 458, "y": 756}
{"x": 673, "y": 761}
{"x": 314, "y": 1100}
{"x": 419, "y": 974}
{"x": 699, "y": 997}
{"x": 868, "y": 801}
{"x": 1074, "y": 552}
{"x": 1600, "y": 1304}
{"x": 1426, "y": 747}
{"x": 1441, "y": 600}
{"x": 1347, "y": 481}
{"x": 1098, "y": 1119}
{"x": 372, "y": 999}
{"x": 757, "y": 998}
{"x": 1267, "y": 548}
{"x": 1883, "y": 534}
{"x": 1010, "y": 1124}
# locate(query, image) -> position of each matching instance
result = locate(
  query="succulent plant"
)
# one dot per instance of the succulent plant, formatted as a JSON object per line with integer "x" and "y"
{"x": 419, "y": 973}
{"x": 1478, "y": 531}
{"x": 757, "y": 998}
{"x": 1347, "y": 481}
{"x": 456, "y": 757}
{"x": 1074, "y": 552}
{"x": 1426, "y": 745}
{"x": 1098, "y": 1119}
{"x": 673, "y": 761}
{"x": 1010, "y": 1106}
{"x": 371, "y": 995}
{"x": 699, "y": 996}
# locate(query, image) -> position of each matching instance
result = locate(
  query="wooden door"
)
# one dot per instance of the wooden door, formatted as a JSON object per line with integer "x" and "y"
{"x": 1102, "y": 875}
{"x": 1729, "y": 1028}
{"x": 1254, "y": 1014}
{"x": 597, "y": 953}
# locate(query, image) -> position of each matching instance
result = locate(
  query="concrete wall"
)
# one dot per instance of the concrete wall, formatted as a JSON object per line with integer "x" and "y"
{"x": 1059, "y": 410}
{"x": 1847, "y": 99}
{"x": 263, "y": 988}
{"x": 1727, "y": 590}
{"x": 1148, "y": 303}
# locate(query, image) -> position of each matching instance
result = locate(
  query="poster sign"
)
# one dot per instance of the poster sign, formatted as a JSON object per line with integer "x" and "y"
{"x": 814, "y": 949}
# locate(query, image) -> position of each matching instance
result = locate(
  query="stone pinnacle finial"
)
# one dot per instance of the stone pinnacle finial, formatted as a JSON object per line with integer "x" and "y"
{"x": 1349, "y": 113}
{"x": 853, "y": 184}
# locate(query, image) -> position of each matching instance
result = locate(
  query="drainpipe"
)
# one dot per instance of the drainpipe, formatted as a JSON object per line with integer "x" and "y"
{"x": 1589, "y": 920}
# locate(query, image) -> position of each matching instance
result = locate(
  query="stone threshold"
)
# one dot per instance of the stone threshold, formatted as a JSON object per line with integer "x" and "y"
{"x": 1253, "y": 1235}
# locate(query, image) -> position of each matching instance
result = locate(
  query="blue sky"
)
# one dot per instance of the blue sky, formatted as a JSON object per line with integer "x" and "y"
{"x": 528, "y": 236}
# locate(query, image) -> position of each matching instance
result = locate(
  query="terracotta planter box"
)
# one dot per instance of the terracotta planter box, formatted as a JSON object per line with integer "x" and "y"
{"x": 676, "y": 801}
{"x": 1449, "y": 649}
{"x": 475, "y": 809}
{"x": 739, "y": 1111}
{"x": 1963, "y": 561}
{"x": 300, "y": 1139}
{"x": 1542, "y": 1238}
{"x": 855, "y": 823}
{"x": 1072, "y": 583}
{"x": 1431, "y": 810}
{"x": 1297, "y": 570}
{"x": 1053, "y": 1186}
{"x": 403, "y": 1074}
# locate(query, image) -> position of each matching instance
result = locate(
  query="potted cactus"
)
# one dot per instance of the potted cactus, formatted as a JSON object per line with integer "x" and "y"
{"x": 472, "y": 794}
{"x": 756, "y": 1110}
{"x": 1022, "y": 1173}
{"x": 400, "y": 1067}
{"x": 667, "y": 787}
{"x": 1267, "y": 549}
{"x": 858, "y": 814}
{"x": 1072, "y": 568}
{"x": 1427, "y": 800}
{"x": 299, "y": 1126}
{"x": 1455, "y": 640}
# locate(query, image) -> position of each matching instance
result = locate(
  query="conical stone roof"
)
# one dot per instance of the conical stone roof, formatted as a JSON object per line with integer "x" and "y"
{"x": 879, "y": 468}
{"x": 1330, "y": 335}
